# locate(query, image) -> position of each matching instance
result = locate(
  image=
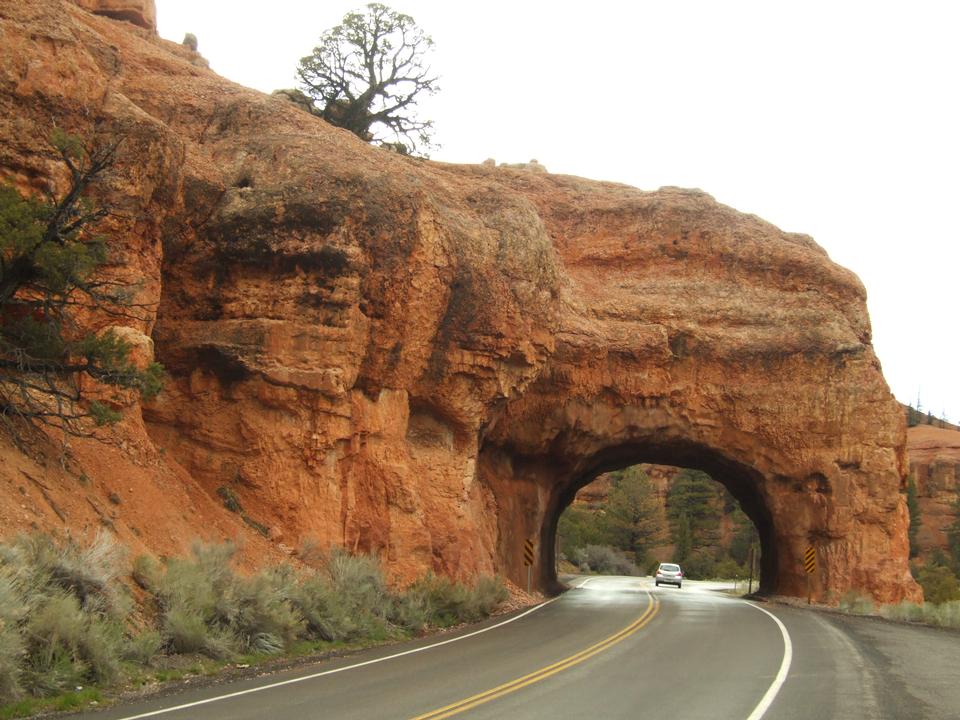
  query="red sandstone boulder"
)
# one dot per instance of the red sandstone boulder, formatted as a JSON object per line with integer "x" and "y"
{"x": 138, "y": 12}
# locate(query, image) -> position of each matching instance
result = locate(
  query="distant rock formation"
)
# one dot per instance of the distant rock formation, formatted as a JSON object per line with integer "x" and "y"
{"x": 532, "y": 166}
{"x": 934, "y": 454}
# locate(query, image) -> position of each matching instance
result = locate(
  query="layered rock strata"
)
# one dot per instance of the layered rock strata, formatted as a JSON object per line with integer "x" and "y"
{"x": 934, "y": 455}
{"x": 426, "y": 361}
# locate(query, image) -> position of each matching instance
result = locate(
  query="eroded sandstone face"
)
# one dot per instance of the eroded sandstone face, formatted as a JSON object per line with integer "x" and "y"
{"x": 426, "y": 361}
{"x": 138, "y": 12}
{"x": 934, "y": 454}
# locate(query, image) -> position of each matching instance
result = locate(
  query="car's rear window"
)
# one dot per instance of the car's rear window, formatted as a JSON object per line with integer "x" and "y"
{"x": 670, "y": 568}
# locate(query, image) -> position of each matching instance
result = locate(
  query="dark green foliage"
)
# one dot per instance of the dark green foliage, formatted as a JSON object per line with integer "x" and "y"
{"x": 699, "y": 564}
{"x": 912, "y": 416}
{"x": 953, "y": 539}
{"x": 745, "y": 537}
{"x": 368, "y": 73}
{"x": 632, "y": 520}
{"x": 693, "y": 495}
{"x": 913, "y": 506}
{"x": 579, "y": 527}
{"x": 50, "y": 274}
{"x": 603, "y": 560}
{"x": 938, "y": 583}
{"x": 230, "y": 500}
{"x": 682, "y": 538}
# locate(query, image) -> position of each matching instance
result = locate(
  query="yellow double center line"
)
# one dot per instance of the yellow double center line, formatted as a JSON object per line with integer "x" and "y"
{"x": 543, "y": 673}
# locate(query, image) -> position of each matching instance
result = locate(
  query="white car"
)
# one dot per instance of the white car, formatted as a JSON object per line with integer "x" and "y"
{"x": 669, "y": 574}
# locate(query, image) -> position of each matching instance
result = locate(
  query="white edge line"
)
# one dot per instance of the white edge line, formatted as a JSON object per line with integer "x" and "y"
{"x": 767, "y": 700}
{"x": 336, "y": 670}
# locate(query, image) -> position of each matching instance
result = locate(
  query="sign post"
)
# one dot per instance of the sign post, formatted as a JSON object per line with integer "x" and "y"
{"x": 809, "y": 566}
{"x": 528, "y": 560}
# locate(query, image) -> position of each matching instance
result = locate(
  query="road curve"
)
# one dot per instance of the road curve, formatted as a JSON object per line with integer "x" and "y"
{"x": 614, "y": 648}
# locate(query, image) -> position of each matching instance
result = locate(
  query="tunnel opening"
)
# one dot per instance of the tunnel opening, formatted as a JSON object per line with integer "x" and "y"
{"x": 742, "y": 486}
{"x": 626, "y": 522}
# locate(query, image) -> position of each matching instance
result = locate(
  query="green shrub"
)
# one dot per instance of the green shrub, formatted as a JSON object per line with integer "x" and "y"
{"x": 263, "y": 618}
{"x": 905, "y": 612}
{"x": 411, "y": 612}
{"x": 205, "y": 607}
{"x": 325, "y": 613}
{"x": 361, "y": 593}
{"x": 88, "y": 572}
{"x": 446, "y": 602}
{"x": 438, "y": 601}
{"x": 699, "y": 565}
{"x": 939, "y": 584}
{"x": 727, "y": 569}
{"x": 603, "y": 560}
{"x": 66, "y": 646}
{"x": 489, "y": 594}
{"x": 141, "y": 649}
{"x": 948, "y": 614}
{"x": 856, "y": 603}
{"x": 944, "y": 615}
{"x": 62, "y": 610}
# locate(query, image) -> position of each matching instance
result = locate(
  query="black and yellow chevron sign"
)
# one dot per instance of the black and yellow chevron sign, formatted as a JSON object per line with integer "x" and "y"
{"x": 528, "y": 552}
{"x": 810, "y": 560}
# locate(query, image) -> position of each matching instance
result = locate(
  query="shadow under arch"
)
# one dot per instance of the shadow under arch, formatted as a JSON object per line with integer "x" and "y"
{"x": 743, "y": 482}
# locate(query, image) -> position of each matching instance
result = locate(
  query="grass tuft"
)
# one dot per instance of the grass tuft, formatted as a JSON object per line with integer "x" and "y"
{"x": 945, "y": 614}
{"x": 65, "y": 615}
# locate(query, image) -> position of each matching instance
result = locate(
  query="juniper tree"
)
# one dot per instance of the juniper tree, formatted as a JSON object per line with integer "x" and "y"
{"x": 367, "y": 74}
{"x": 51, "y": 284}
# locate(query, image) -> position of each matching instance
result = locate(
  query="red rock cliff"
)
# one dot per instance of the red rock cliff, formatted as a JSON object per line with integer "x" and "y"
{"x": 934, "y": 454}
{"x": 426, "y": 361}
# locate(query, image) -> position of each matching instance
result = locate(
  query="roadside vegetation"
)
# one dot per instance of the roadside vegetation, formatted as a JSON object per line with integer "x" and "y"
{"x": 75, "y": 623}
{"x": 630, "y": 531}
{"x": 938, "y": 614}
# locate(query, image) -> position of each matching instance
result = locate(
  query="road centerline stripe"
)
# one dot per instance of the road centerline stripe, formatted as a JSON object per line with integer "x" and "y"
{"x": 768, "y": 697}
{"x": 543, "y": 673}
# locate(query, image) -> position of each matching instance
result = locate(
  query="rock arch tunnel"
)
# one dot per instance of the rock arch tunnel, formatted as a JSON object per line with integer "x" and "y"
{"x": 445, "y": 414}
{"x": 425, "y": 361}
{"x": 743, "y": 484}
{"x": 692, "y": 336}
{"x": 821, "y": 507}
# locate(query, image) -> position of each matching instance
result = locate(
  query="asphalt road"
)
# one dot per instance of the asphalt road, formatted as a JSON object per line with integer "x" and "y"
{"x": 613, "y": 648}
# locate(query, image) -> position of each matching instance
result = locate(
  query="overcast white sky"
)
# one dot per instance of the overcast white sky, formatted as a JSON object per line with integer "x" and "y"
{"x": 837, "y": 119}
